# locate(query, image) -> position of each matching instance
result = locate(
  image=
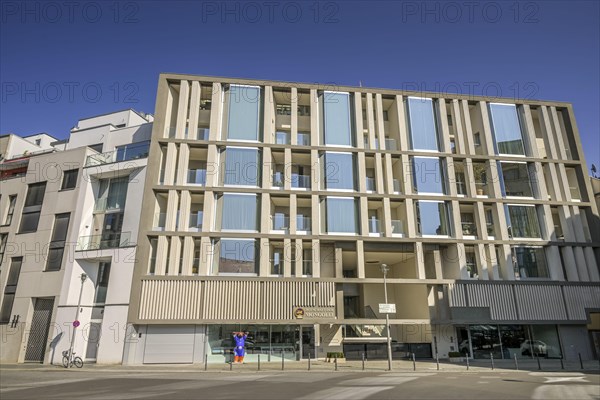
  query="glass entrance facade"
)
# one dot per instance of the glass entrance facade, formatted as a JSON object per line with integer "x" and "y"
{"x": 272, "y": 342}
{"x": 508, "y": 341}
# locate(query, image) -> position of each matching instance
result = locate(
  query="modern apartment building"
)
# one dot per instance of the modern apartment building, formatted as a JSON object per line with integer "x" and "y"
{"x": 69, "y": 208}
{"x": 269, "y": 207}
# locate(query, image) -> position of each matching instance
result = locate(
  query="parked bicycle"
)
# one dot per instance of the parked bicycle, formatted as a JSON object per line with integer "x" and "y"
{"x": 71, "y": 359}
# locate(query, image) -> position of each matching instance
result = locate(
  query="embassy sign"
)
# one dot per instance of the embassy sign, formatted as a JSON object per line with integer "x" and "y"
{"x": 314, "y": 312}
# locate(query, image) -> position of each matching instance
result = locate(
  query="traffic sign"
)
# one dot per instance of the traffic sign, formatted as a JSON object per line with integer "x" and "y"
{"x": 76, "y": 323}
{"x": 387, "y": 308}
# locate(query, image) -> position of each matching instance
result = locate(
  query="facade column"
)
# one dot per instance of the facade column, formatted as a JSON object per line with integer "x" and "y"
{"x": 174, "y": 256}
{"x": 360, "y": 262}
{"x": 187, "y": 255}
{"x": 194, "y": 110}
{"x": 570, "y": 264}
{"x": 182, "y": 165}
{"x": 294, "y": 119}
{"x": 184, "y": 95}
{"x": 216, "y": 106}
{"x": 287, "y": 257}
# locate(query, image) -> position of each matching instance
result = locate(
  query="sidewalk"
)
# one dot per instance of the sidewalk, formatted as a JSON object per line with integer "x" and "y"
{"x": 406, "y": 366}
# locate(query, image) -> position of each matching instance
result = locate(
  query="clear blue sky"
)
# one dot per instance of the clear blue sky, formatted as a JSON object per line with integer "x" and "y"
{"x": 60, "y": 64}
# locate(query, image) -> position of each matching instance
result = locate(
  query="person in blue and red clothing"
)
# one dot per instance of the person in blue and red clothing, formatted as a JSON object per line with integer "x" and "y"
{"x": 240, "y": 347}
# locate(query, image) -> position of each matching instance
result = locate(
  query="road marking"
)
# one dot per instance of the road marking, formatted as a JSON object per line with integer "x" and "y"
{"x": 555, "y": 379}
{"x": 579, "y": 392}
{"x": 379, "y": 381}
{"x": 350, "y": 393}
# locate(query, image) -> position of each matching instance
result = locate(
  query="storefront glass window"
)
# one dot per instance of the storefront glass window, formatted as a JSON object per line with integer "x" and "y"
{"x": 485, "y": 341}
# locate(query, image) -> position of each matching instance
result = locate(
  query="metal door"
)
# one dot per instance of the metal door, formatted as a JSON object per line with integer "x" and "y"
{"x": 93, "y": 340}
{"x": 38, "y": 334}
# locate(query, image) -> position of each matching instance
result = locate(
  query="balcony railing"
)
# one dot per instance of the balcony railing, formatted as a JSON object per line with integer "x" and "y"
{"x": 201, "y": 134}
{"x": 469, "y": 229}
{"x": 130, "y": 152}
{"x": 303, "y": 139}
{"x": 491, "y": 231}
{"x": 461, "y": 188}
{"x": 370, "y": 183}
{"x": 196, "y": 176}
{"x": 104, "y": 241}
{"x": 278, "y": 179}
{"x": 195, "y": 222}
{"x": 109, "y": 203}
{"x": 575, "y": 194}
{"x": 390, "y": 144}
{"x": 397, "y": 188}
{"x": 281, "y": 222}
{"x": 374, "y": 226}
{"x": 301, "y": 181}
{"x": 276, "y": 267}
{"x": 159, "y": 221}
{"x": 282, "y": 138}
{"x": 307, "y": 267}
{"x": 397, "y": 227}
{"x": 303, "y": 223}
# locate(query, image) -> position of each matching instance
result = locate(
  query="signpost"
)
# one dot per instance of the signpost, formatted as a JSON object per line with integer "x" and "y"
{"x": 387, "y": 308}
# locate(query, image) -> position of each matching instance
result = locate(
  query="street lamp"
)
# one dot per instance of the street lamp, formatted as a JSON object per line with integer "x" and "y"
{"x": 83, "y": 277}
{"x": 385, "y": 269}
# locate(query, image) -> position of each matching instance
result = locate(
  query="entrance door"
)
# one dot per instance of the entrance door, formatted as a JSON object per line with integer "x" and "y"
{"x": 40, "y": 325}
{"x": 93, "y": 338}
{"x": 308, "y": 341}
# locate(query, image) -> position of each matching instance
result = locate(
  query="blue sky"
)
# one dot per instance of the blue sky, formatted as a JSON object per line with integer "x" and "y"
{"x": 59, "y": 64}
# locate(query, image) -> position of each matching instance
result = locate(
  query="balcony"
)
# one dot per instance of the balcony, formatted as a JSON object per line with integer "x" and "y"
{"x": 282, "y": 138}
{"x": 130, "y": 152}
{"x": 196, "y": 177}
{"x": 482, "y": 188}
{"x": 307, "y": 267}
{"x": 301, "y": 181}
{"x": 201, "y": 134}
{"x": 390, "y": 144}
{"x": 303, "y": 223}
{"x": 278, "y": 179}
{"x": 108, "y": 204}
{"x": 374, "y": 226}
{"x": 159, "y": 221}
{"x": 370, "y": 184}
{"x": 276, "y": 266}
{"x": 575, "y": 194}
{"x": 397, "y": 227}
{"x": 104, "y": 241}
{"x": 397, "y": 188}
{"x": 491, "y": 231}
{"x": 195, "y": 221}
{"x": 280, "y": 222}
{"x": 469, "y": 229}
{"x": 303, "y": 139}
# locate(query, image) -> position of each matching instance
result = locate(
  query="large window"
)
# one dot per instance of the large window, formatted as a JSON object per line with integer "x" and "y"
{"x": 12, "y": 201}
{"x": 33, "y": 207}
{"x": 337, "y": 119}
{"x": 237, "y": 256}
{"x": 515, "y": 180}
{"x": 428, "y": 175}
{"x": 241, "y": 166}
{"x": 507, "y": 129}
{"x": 102, "y": 282}
{"x": 57, "y": 243}
{"x": 341, "y": 215}
{"x": 523, "y": 221}
{"x": 421, "y": 117}
{"x": 339, "y": 171}
{"x": 10, "y": 289}
{"x": 112, "y": 194}
{"x": 432, "y": 218}
{"x": 69, "y": 179}
{"x": 239, "y": 212}
{"x": 530, "y": 262}
{"x": 243, "y": 121}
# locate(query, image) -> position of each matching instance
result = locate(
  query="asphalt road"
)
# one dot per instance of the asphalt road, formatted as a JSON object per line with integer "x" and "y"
{"x": 174, "y": 384}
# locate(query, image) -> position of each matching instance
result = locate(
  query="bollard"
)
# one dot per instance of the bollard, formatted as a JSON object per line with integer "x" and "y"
{"x": 206, "y": 362}
{"x": 467, "y": 357}
{"x": 580, "y": 361}
{"x": 230, "y": 365}
{"x": 258, "y": 362}
{"x": 335, "y": 361}
{"x": 363, "y": 361}
{"x": 309, "y": 360}
{"x": 492, "y": 359}
{"x": 539, "y": 365}
{"x": 282, "y": 360}
{"x": 562, "y": 364}
{"x": 516, "y": 363}
{"x": 414, "y": 362}
{"x": 437, "y": 361}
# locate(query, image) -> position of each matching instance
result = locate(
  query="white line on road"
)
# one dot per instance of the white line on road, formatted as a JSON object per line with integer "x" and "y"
{"x": 347, "y": 393}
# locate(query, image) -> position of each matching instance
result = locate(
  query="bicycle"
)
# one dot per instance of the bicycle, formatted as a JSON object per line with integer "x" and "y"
{"x": 68, "y": 361}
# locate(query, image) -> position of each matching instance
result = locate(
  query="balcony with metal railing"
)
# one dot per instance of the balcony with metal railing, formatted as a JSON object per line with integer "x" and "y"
{"x": 303, "y": 139}
{"x": 303, "y": 224}
{"x": 129, "y": 152}
{"x": 397, "y": 187}
{"x": 159, "y": 221}
{"x": 195, "y": 221}
{"x": 307, "y": 267}
{"x": 278, "y": 179}
{"x": 370, "y": 184}
{"x": 390, "y": 144}
{"x": 111, "y": 203}
{"x": 104, "y": 241}
{"x": 397, "y": 227}
{"x": 374, "y": 226}
{"x": 469, "y": 229}
{"x": 280, "y": 222}
{"x": 282, "y": 137}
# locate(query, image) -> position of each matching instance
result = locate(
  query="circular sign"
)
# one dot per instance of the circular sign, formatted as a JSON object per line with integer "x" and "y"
{"x": 75, "y": 323}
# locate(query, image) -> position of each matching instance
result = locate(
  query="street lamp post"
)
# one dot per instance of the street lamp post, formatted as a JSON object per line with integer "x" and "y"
{"x": 385, "y": 269}
{"x": 83, "y": 277}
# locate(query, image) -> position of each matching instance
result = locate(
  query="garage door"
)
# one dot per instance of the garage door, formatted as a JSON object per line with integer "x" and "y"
{"x": 169, "y": 345}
